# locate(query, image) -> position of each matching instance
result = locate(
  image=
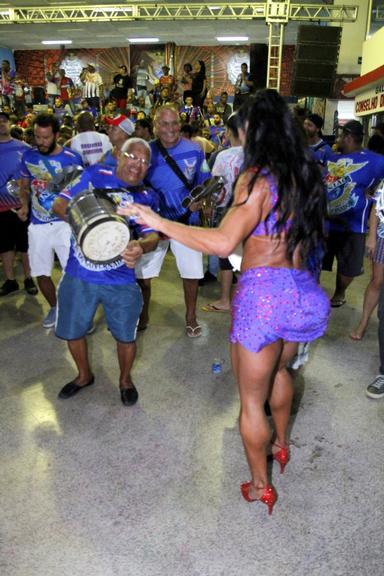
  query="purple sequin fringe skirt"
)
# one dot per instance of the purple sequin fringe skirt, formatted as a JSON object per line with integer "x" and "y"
{"x": 277, "y": 303}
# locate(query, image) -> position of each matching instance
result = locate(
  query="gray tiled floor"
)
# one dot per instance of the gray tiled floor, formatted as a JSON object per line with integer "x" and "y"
{"x": 90, "y": 488}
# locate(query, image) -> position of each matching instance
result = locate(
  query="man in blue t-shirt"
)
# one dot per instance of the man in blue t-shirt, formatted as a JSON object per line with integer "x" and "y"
{"x": 319, "y": 149}
{"x": 87, "y": 284}
{"x": 173, "y": 188}
{"x": 349, "y": 178}
{"x": 13, "y": 232}
{"x": 41, "y": 175}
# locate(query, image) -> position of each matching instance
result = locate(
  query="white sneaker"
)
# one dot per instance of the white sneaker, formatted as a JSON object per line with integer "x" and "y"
{"x": 50, "y": 319}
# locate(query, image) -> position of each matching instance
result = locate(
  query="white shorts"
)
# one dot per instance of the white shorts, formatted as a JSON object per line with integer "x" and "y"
{"x": 44, "y": 240}
{"x": 189, "y": 262}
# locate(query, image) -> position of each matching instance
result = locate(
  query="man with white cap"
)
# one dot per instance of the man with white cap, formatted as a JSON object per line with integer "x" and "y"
{"x": 120, "y": 129}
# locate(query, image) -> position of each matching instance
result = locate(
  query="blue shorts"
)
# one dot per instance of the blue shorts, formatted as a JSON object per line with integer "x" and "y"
{"x": 78, "y": 300}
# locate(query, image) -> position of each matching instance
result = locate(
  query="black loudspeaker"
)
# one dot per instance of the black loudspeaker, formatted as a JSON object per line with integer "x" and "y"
{"x": 258, "y": 58}
{"x": 316, "y": 57}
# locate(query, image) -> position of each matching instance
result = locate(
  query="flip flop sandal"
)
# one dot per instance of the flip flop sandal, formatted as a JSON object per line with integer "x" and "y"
{"x": 338, "y": 302}
{"x": 193, "y": 332}
{"x": 213, "y": 308}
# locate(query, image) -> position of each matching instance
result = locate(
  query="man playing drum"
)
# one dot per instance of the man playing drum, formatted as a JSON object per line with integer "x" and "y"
{"x": 87, "y": 284}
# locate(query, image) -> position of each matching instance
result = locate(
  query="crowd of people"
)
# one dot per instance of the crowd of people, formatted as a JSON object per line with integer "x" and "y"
{"x": 294, "y": 204}
{"x": 136, "y": 97}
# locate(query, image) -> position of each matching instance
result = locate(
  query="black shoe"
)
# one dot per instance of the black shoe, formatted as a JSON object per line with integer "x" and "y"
{"x": 129, "y": 396}
{"x": 30, "y": 287}
{"x": 234, "y": 280}
{"x": 8, "y": 287}
{"x": 71, "y": 389}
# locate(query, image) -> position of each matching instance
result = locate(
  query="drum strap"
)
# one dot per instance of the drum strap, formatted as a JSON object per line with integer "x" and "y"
{"x": 50, "y": 169}
{"x": 184, "y": 219}
{"x": 174, "y": 166}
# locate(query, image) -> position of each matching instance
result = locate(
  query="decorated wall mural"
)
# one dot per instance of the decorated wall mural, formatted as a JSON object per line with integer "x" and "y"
{"x": 222, "y": 63}
{"x": 34, "y": 65}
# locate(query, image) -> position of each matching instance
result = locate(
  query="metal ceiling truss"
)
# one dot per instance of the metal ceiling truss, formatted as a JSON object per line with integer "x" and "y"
{"x": 187, "y": 11}
{"x": 276, "y": 13}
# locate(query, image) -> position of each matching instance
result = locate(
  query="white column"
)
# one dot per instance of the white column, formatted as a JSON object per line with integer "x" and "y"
{"x": 352, "y": 38}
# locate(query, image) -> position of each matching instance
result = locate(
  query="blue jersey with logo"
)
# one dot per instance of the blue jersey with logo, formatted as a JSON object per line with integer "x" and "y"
{"x": 109, "y": 159}
{"x": 321, "y": 152}
{"x": 11, "y": 153}
{"x": 191, "y": 161}
{"x": 43, "y": 171}
{"x": 348, "y": 178}
{"x": 217, "y": 134}
{"x": 99, "y": 176}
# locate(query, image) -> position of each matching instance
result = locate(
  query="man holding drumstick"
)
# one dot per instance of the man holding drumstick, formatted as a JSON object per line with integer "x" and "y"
{"x": 86, "y": 284}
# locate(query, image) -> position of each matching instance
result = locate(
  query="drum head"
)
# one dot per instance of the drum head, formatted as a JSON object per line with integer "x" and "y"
{"x": 105, "y": 242}
{"x": 236, "y": 258}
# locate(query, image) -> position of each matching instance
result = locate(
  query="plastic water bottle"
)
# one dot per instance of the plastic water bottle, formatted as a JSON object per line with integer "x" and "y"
{"x": 216, "y": 366}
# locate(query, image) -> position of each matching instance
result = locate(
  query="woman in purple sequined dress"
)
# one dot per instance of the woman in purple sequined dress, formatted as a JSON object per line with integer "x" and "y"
{"x": 278, "y": 212}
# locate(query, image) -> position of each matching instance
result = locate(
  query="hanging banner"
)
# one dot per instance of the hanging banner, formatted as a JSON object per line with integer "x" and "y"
{"x": 370, "y": 101}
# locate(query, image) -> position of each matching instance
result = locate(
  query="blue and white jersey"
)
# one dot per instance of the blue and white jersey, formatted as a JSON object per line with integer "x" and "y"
{"x": 42, "y": 171}
{"x": 109, "y": 159}
{"x": 321, "y": 152}
{"x": 347, "y": 180}
{"x": 191, "y": 161}
{"x": 11, "y": 154}
{"x": 104, "y": 177}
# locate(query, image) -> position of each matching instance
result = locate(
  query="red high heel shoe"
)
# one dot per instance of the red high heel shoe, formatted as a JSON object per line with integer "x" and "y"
{"x": 282, "y": 457}
{"x": 268, "y": 496}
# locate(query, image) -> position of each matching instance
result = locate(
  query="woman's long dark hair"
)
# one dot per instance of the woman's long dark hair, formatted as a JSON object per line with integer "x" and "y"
{"x": 275, "y": 143}
{"x": 234, "y": 123}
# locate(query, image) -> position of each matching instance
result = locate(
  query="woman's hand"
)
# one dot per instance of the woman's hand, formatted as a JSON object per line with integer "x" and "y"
{"x": 142, "y": 214}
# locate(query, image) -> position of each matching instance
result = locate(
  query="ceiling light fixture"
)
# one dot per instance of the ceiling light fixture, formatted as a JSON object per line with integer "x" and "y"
{"x": 143, "y": 40}
{"x": 232, "y": 38}
{"x": 56, "y": 41}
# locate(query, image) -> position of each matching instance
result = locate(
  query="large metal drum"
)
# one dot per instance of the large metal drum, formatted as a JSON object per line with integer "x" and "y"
{"x": 101, "y": 234}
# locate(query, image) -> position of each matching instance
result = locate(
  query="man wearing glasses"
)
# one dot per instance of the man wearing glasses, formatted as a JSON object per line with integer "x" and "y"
{"x": 86, "y": 284}
{"x": 173, "y": 183}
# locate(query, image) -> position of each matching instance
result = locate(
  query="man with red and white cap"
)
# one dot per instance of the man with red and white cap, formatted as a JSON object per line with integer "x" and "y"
{"x": 119, "y": 130}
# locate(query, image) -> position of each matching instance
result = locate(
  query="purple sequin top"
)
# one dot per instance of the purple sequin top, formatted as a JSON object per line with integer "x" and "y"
{"x": 266, "y": 227}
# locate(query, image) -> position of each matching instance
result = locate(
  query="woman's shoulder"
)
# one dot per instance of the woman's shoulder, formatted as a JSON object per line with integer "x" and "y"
{"x": 260, "y": 185}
